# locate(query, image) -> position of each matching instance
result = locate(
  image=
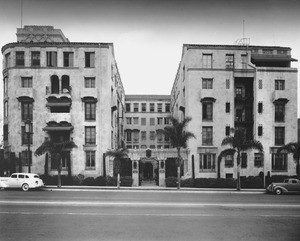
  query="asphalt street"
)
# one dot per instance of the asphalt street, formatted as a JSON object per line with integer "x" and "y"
{"x": 147, "y": 215}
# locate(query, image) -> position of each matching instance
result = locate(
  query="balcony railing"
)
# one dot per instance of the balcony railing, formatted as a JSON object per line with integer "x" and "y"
{"x": 64, "y": 91}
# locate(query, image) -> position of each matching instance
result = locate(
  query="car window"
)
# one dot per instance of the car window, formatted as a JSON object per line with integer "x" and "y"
{"x": 21, "y": 176}
{"x": 26, "y": 176}
{"x": 36, "y": 176}
{"x": 286, "y": 181}
{"x": 14, "y": 176}
{"x": 294, "y": 181}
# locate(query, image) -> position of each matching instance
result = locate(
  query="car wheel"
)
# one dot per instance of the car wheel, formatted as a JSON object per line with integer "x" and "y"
{"x": 25, "y": 187}
{"x": 278, "y": 191}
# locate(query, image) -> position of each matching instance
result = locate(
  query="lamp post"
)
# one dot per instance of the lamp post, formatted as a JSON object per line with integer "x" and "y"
{"x": 28, "y": 131}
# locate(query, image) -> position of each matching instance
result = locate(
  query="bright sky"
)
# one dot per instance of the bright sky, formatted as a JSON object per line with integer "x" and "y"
{"x": 148, "y": 34}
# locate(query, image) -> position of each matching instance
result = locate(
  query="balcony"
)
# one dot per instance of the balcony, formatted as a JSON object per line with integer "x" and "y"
{"x": 58, "y": 92}
{"x": 59, "y": 117}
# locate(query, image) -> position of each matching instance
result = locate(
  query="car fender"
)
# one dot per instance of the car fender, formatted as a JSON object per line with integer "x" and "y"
{"x": 280, "y": 187}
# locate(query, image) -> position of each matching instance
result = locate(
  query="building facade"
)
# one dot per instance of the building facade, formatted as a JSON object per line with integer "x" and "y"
{"x": 223, "y": 87}
{"x": 72, "y": 90}
{"x": 67, "y": 91}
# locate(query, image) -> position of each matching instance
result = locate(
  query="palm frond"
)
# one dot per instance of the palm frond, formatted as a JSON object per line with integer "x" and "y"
{"x": 228, "y": 140}
{"x": 292, "y": 148}
{"x": 252, "y": 144}
{"x": 226, "y": 152}
{"x": 117, "y": 153}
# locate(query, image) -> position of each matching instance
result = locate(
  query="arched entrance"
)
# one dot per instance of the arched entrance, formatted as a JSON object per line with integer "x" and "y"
{"x": 148, "y": 171}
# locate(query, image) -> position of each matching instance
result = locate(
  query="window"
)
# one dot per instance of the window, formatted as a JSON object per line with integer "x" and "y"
{"x": 143, "y": 135}
{"x": 258, "y": 159}
{"x": 90, "y": 135}
{"x": 127, "y": 107}
{"x": 26, "y": 110}
{"x": 207, "y": 83}
{"x": 20, "y": 58}
{"x": 135, "y": 120}
{"x": 207, "y": 163}
{"x": 135, "y": 136}
{"x": 279, "y": 84}
{"x": 51, "y": 59}
{"x": 159, "y": 120}
{"x": 239, "y": 92}
{"x": 26, "y": 82}
{"x": 229, "y": 61}
{"x": 167, "y": 105}
{"x": 6, "y": 109}
{"x": 5, "y": 132}
{"x": 207, "y": 111}
{"x": 90, "y": 111}
{"x": 35, "y": 58}
{"x": 129, "y": 136}
{"x": 144, "y": 107}
{"x": 279, "y": 136}
{"x": 166, "y": 146}
{"x": 152, "y": 135}
{"x": 128, "y": 120}
{"x": 159, "y": 107}
{"x": 279, "y": 162}
{"x": 25, "y": 136}
{"x": 26, "y": 157}
{"x": 143, "y": 147}
{"x": 89, "y": 59}
{"x": 135, "y": 107}
{"x": 260, "y": 130}
{"x": 143, "y": 121}
{"x": 5, "y": 85}
{"x": 152, "y": 121}
{"x": 260, "y": 84}
{"x": 227, "y": 130}
{"x": 90, "y": 159}
{"x": 152, "y": 146}
{"x": 227, "y": 107}
{"x": 151, "y": 107}
{"x": 207, "y": 61}
{"x": 228, "y": 175}
{"x": 129, "y": 146}
{"x": 68, "y": 59}
{"x": 244, "y": 61}
{"x": 244, "y": 160}
{"x": 229, "y": 161}
{"x": 167, "y": 138}
{"x": 279, "y": 112}
{"x": 89, "y": 82}
{"x": 183, "y": 73}
{"x": 7, "y": 61}
{"x": 207, "y": 135}
{"x": 167, "y": 121}
{"x": 227, "y": 83}
{"x": 183, "y": 92}
{"x": 159, "y": 137}
{"x": 260, "y": 107}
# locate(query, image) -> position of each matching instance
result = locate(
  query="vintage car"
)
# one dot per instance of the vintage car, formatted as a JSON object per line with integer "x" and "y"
{"x": 21, "y": 180}
{"x": 289, "y": 185}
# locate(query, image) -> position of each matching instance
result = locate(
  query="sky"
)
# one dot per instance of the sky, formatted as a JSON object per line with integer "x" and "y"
{"x": 148, "y": 34}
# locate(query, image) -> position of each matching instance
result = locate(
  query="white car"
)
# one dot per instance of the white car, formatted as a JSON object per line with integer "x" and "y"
{"x": 21, "y": 180}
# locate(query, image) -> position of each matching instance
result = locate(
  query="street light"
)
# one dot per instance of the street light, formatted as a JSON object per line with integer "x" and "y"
{"x": 28, "y": 131}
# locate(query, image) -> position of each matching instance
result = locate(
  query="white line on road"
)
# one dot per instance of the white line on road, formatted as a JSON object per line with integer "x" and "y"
{"x": 146, "y": 214}
{"x": 149, "y": 204}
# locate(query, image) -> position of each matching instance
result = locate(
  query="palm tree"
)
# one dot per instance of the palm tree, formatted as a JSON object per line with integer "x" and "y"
{"x": 178, "y": 138}
{"x": 239, "y": 143}
{"x": 117, "y": 154}
{"x": 293, "y": 148}
{"x": 57, "y": 150}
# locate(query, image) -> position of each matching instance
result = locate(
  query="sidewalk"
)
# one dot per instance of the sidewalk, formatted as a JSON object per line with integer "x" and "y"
{"x": 154, "y": 189}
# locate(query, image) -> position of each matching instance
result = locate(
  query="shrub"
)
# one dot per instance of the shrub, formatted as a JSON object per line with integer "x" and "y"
{"x": 77, "y": 180}
{"x": 189, "y": 182}
{"x": 111, "y": 181}
{"x": 214, "y": 183}
{"x": 89, "y": 181}
{"x": 171, "y": 181}
{"x": 100, "y": 181}
{"x": 126, "y": 181}
{"x": 52, "y": 180}
{"x": 251, "y": 182}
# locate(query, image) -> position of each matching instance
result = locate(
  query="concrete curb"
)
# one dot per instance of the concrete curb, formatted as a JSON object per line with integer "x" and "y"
{"x": 155, "y": 189}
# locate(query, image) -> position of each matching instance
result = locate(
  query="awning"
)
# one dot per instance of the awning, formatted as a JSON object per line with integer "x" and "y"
{"x": 58, "y": 104}
{"x": 58, "y": 128}
{"x": 208, "y": 99}
{"x": 281, "y": 101}
{"x": 272, "y": 58}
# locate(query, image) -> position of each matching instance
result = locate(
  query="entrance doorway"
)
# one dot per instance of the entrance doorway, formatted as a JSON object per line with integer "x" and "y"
{"x": 148, "y": 171}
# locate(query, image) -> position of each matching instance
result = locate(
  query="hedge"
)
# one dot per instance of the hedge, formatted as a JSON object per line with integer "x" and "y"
{"x": 126, "y": 181}
{"x": 252, "y": 182}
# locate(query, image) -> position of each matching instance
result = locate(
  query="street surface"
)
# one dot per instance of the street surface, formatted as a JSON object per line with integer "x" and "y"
{"x": 147, "y": 215}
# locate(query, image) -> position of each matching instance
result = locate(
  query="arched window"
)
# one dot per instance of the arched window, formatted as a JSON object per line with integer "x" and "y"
{"x": 54, "y": 84}
{"x": 65, "y": 84}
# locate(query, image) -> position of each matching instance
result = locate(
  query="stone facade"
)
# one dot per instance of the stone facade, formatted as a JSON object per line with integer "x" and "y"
{"x": 68, "y": 90}
{"x": 221, "y": 87}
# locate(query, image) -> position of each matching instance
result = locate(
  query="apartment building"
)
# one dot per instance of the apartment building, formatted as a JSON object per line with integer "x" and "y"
{"x": 67, "y": 91}
{"x": 225, "y": 86}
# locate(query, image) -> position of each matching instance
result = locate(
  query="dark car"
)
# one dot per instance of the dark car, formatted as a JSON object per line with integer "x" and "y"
{"x": 290, "y": 185}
